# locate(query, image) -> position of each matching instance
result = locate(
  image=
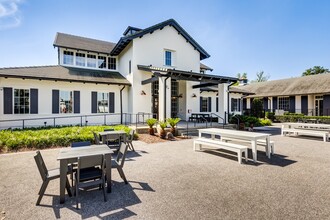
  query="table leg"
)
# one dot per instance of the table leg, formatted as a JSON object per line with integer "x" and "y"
{"x": 268, "y": 146}
{"x": 63, "y": 178}
{"x": 254, "y": 150}
{"x": 108, "y": 171}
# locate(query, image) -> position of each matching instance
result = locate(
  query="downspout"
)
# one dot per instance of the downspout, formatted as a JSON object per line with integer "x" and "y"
{"x": 228, "y": 100}
{"x": 165, "y": 97}
{"x": 121, "y": 105}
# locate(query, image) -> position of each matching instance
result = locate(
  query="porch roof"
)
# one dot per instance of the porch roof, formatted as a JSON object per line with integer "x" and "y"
{"x": 184, "y": 75}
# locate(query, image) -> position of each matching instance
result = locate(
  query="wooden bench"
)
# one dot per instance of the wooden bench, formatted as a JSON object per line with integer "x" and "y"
{"x": 259, "y": 142}
{"x": 239, "y": 149}
{"x": 295, "y": 131}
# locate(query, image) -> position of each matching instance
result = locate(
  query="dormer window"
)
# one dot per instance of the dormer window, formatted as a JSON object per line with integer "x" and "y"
{"x": 68, "y": 57}
{"x": 80, "y": 59}
{"x": 91, "y": 60}
{"x": 102, "y": 62}
{"x": 112, "y": 63}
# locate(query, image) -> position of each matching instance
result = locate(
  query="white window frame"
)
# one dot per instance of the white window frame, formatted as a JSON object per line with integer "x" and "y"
{"x": 173, "y": 57}
{"x": 29, "y": 101}
{"x": 105, "y": 107}
{"x": 72, "y": 102}
{"x": 280, "y": 104}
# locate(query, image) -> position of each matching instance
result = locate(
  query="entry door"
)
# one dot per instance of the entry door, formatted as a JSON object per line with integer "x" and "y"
{"x": 318, "y": 106}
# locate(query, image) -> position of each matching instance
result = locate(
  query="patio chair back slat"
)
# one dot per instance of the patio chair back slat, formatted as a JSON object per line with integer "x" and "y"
{"x": 41, "y": 166}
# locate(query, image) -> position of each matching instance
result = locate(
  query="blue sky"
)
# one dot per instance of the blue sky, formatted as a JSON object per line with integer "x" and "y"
{"x": 280, "y": 37}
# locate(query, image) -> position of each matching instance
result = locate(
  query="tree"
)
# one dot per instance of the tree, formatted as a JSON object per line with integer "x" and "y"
{"x": 261, "y": 77}
{"x": 240, "y": 76}
{"x": 314, "y": 71}
{"x": 257, "y": 108}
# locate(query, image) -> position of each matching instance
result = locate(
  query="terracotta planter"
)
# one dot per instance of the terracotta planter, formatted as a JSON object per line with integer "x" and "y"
{"x": 151, "y": 131}
{"x": 162, "y": 134}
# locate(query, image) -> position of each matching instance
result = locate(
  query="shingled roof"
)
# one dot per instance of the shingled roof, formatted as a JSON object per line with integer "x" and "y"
{"x": 61, "y": 73}
{"x": 124, "y": 41}
{"x": 83, "y": 43}
{"x": 305, "y": 85}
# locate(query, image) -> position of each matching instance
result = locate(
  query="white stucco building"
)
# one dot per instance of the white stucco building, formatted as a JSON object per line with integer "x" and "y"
{"x": 155, "y": 70}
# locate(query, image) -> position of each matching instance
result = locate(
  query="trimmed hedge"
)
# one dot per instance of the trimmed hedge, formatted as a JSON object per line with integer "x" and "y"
{"x": 300, "y": 117}
{"x": 248, "y": 120}
{"x": 49, "y": 137}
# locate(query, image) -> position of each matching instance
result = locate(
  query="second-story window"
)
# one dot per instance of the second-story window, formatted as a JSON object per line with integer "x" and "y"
{"x": 102, "y": 62}
{"x": 80, "y": 59}
{"x": 91, "y": 60}
{"x": 168, "y": 58}
{"x": 68, "y": 57}
{"x": 112, "y": 63}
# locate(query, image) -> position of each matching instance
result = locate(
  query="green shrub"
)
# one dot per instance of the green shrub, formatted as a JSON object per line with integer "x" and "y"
{"x": 270, "y": 115}
{"x": 151, "y": 122}
{"x": 173, "y": 121}
{"x": 48, "y": 137}
{"x": 257, "y": 108}
{"x": 265, "y": 122}
{"x": 296, "y": 118}
{"x": 162, "y": 124}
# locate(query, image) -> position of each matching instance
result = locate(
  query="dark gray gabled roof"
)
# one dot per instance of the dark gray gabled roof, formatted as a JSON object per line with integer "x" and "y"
{"x": 124, "y": 41}
{"x": 68, "y": 74}
{"x": 82, "y": 43}
{"x": 314, "y": 84}
{"x": 130, "y": 28}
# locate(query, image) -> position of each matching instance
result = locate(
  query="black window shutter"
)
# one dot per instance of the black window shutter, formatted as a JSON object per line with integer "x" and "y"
{"x": 56, "y": 101}
{"x": 292, "y": 104}
{"x": 76, "y": 102}
{"x": 239, "y": 104}
{"x": 200, "y": 104}
{"x": 7, "y": 100}
{"x": 111, "y": 102}
{"x": 209, "y": 102}
{"x": 34, "y": 101}
{"x": 94, "y": 102}
{"x": 217, "y": 104}
{"x": 274, "y": 103}
{"x": 244, "y": 104}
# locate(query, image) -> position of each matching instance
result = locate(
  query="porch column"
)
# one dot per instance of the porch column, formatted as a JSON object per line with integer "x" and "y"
{"x": 162, "y": 102}
{"x": 223, "y": 101}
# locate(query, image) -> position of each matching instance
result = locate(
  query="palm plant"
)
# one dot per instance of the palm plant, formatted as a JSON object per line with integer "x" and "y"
{"x": 151, "y": 122}
{"x": 172, "y": 122}
{"x": 162, "y": 125}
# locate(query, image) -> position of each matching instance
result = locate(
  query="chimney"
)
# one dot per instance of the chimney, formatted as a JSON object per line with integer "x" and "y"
{"x": 242, "y": 81}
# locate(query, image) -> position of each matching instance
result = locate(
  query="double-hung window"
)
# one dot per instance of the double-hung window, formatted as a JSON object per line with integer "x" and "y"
{"x": 91, "y": 60}
{"x": 80, "y": 59}
{"x": 168, "y": 58}
{"x": 66, "y": 102}
{"x": 284, "y": 103}
{"x": 102, "y": 62}
{"x": 21, "y": 101}
{"x": 102, "y": 102}
{"x": 68, "y": 57}
{"x": 204, "y": 104}
{"x": 235, "y": 105}
{"x": 112, "y": 63}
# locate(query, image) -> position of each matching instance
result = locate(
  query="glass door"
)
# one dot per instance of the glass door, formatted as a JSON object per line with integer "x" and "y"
{"x": 318, "y": 105}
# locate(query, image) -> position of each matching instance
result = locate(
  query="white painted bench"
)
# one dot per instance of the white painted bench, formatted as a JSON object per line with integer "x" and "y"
{"x": 239, "y": 149}
{"x": 324, "y": 134}
{"x": 259, "y": 142}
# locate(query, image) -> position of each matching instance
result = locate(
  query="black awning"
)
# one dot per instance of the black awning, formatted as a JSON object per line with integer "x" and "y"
{"x": 186, "y": 75}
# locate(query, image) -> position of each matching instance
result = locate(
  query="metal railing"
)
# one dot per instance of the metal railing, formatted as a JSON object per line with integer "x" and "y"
{"x": 219, "y": 117}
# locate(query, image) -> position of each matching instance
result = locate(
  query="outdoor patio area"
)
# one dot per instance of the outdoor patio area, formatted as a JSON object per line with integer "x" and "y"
{"x": 169, "y": 180}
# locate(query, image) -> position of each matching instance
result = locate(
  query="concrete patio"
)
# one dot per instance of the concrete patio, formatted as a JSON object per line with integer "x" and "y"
{"x": 170, "y": 181}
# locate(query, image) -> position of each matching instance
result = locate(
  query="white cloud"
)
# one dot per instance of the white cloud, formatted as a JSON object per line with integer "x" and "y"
{"x": 10, "y": 15}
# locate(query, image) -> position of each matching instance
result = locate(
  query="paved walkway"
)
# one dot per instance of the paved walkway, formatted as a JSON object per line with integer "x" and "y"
{"x": 171, "y": 181}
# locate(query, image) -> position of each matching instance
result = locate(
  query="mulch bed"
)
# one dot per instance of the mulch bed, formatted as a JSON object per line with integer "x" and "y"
{"x": 150, "y": 139}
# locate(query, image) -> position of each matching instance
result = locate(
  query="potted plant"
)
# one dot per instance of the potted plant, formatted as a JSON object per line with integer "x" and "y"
{"x": 162, "y": 125}
{"x": 151, "y": 122}
{"x": 172, "y": 122}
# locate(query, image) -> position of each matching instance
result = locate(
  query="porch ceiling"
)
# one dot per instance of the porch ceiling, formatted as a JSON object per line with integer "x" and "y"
{"x": 184, "y": 75}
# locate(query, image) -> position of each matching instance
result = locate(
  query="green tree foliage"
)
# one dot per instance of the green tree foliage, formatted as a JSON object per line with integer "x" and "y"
{"x": 314, "y": 71}
{"x": 261, "y": 77}
{"x": 240, "y": 76}
{"x": 257, "y": 108}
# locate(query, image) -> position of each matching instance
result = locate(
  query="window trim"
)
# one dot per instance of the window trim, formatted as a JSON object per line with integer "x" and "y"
{"x": 279, "y": 105}
{"x": 172, "y": 52}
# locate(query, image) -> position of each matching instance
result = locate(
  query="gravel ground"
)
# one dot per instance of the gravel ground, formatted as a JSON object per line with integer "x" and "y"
{"x": 169, "y": 180}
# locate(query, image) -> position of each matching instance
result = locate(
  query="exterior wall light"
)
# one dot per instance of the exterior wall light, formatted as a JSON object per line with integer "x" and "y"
{"x": 143, "y": 92}
{"x": 194, "y": 95}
